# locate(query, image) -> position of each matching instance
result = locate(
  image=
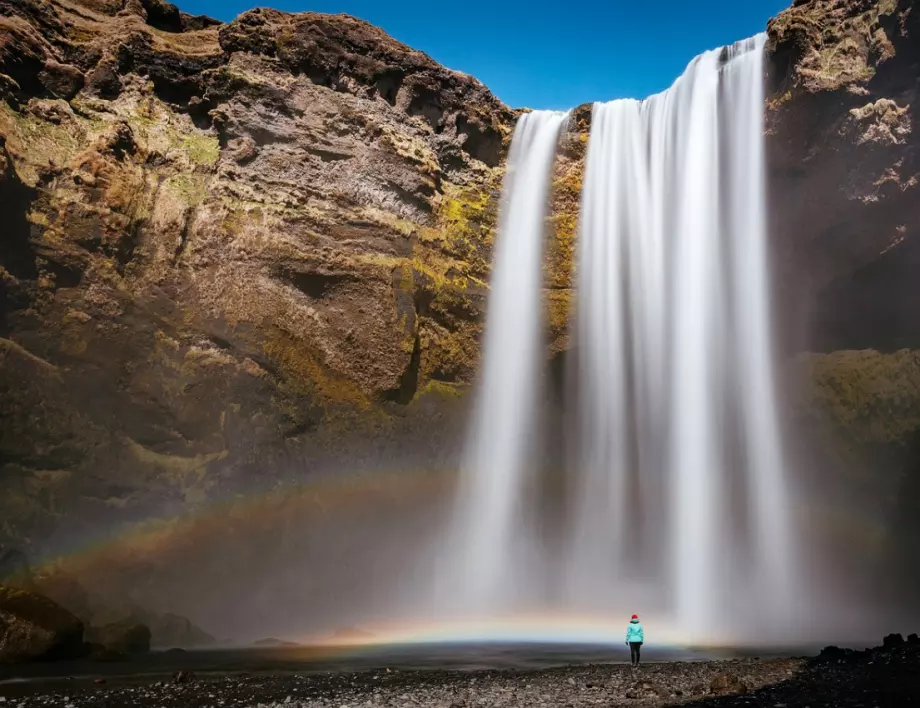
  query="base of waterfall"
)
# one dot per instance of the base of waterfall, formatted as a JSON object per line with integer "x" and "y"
{"x": 887, "y": 675}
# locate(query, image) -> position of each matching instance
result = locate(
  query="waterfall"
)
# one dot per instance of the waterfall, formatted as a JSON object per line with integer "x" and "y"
{"x": 676, "y": 502}
{"x": 489, "y": 545}
{"x": 679, "y": 472}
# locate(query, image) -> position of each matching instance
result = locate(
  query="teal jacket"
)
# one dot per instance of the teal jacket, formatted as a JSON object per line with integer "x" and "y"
{"x": 634, "y": 632}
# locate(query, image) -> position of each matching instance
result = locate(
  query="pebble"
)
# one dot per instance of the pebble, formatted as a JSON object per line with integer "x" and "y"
{"x": 772, "y": 683}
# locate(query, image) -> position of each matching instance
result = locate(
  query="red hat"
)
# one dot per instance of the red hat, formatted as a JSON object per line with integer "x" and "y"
{"x": 635, "y": 617}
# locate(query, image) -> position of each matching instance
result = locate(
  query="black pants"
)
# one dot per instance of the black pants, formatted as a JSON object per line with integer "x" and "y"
{"x": 634, "y": 649}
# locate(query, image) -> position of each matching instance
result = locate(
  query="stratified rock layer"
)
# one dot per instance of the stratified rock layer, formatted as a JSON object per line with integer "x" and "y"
{"x": 231, "y": 252}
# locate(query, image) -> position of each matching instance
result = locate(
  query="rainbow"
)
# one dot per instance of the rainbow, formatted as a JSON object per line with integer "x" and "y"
{"x": 543, "y": 628}
{"x": 320, "y": 495}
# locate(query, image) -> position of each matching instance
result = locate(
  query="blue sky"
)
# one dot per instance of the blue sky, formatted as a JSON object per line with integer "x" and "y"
{"x": 549, "y": 54}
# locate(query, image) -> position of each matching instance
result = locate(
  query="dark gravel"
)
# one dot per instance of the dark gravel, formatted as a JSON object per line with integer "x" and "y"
{"x": 882, "y": 677}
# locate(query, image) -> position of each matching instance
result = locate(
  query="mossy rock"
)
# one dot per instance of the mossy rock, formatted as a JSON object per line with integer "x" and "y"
{"x": 33, "y": 628}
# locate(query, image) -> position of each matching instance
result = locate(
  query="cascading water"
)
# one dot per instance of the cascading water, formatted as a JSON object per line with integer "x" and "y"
{"x": 676, "y": 402}
{"x": 677, "y": 502}
{"x": 489, "y": 543}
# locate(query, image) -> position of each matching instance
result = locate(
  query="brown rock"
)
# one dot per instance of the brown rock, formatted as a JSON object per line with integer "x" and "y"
{"x": 62, "y": 80}
{"x": 244, "y": 240}
{"x": 32, "y": 627}
{"x": 845, "y": 171}
{"x": 103, "y": 80}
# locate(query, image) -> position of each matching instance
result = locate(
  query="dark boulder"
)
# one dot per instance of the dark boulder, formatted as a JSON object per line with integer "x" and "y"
{"x": 32, "y": 627}
{"x": 893, "y": 640}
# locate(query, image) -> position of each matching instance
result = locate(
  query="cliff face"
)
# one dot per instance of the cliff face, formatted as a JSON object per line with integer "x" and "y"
{"x": 844, "y": 149}
{"x": 845, "y": 170}
{"x": 234, "y": 253}
{"x": 224, "y": 247}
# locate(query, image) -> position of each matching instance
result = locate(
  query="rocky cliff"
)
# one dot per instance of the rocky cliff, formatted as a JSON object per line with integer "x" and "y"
{"x": 845, "y": 170}
{"x": 844, "y": 150}
{"x": 233, "y": 253}
{"x": 225, "y": 247}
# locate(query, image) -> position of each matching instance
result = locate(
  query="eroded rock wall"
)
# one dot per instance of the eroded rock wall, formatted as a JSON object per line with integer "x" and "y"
{"x": 231, "y": 254}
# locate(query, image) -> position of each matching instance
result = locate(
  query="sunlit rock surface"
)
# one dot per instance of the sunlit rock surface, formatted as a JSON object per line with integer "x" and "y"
{"x": 232, "y": 253}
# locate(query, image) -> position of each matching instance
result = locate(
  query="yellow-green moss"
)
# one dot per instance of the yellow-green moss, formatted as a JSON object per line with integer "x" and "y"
{"x": 443, "y": 389}
{"x": 190, "y": 188}
{"x": 560, "y": 307}
{"x": 872, "y": 396}
{"x": 305, "y": 375}
{"x": 413, "y": 149}
{"x": 380, "y": 259}
{"x": 38, "y": 141}
{"x": 448, "y": 354}
{"x": 563, "y": 223}
{"x": 201, "y": 149}
{"x": 157, "y": 128}
{"x": 465, "y": 228}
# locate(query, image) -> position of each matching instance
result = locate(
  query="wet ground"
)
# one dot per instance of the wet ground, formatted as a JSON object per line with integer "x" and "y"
{"x": 889, "y": 677}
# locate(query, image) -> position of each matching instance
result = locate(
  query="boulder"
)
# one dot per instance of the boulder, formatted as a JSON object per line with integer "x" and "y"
{"x": 32, "y": 627}
{"x": 893, "y": 640}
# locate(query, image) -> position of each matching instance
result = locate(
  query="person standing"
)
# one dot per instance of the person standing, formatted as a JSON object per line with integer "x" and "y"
{"x": 635, "y": 636}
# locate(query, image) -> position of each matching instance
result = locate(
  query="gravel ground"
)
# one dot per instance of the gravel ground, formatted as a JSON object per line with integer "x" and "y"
{"x": 875, "y": 678}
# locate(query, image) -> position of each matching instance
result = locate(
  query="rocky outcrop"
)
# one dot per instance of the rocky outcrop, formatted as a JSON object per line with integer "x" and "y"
{"x": 845, "y": 171}
{"x": 33, "y": 627}
{"x": 228, "y": 247}
{"x": 844, "y": 151}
